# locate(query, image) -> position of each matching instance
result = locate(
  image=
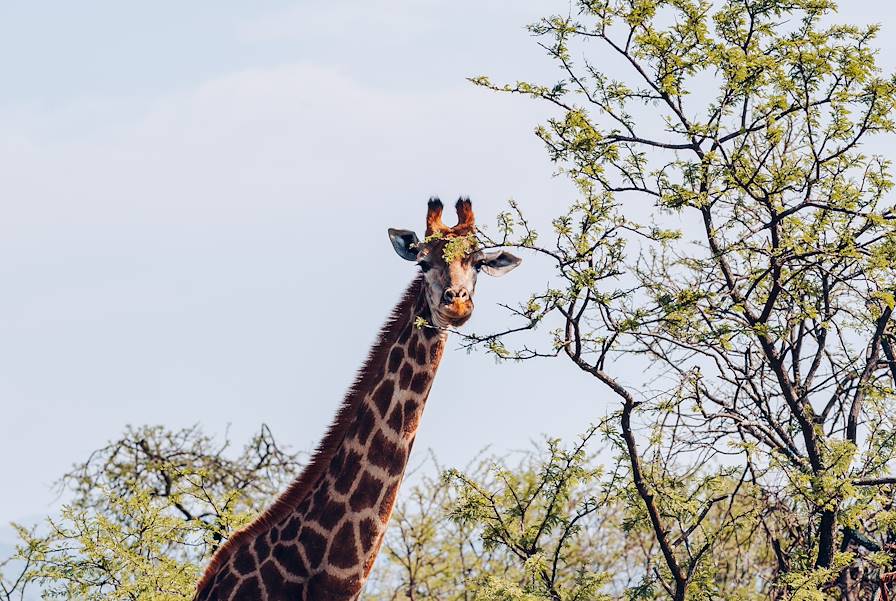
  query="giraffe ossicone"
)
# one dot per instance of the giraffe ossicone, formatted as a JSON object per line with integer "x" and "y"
{"x": 318, "y": 540}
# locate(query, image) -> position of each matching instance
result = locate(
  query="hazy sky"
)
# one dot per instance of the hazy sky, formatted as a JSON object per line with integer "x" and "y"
{"x": 194, "y": 204}
{"x": 195, "y": 201}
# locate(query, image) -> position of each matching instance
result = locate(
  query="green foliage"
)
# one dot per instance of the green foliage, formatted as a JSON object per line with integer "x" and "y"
{"x": 768, "y": 344}
{"x": 556, "y": 525}
{"x": 458, "y": 247}
{"x": 535, "y": 515}
{"x": 136, "y": 551}
{"x": 529, "y": 531}
{"x": 144, "y": 512}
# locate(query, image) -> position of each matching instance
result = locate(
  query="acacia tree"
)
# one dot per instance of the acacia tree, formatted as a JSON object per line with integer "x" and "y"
{"x": 426, "y": 554}
{"x": 143, "y": 513}
{"x": 767, "y": 340}
{"x": 543, "y": 527}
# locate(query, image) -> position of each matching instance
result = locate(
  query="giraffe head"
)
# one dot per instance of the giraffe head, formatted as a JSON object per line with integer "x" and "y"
{"x": 450, "y": 259}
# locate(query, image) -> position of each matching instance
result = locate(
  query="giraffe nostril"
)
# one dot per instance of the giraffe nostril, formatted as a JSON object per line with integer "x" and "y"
{"x": 452, "y": 294}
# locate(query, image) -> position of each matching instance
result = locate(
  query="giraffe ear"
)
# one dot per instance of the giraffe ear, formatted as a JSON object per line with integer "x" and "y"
{"x": 497, "y": 263}
{"x": 405, "y": 243}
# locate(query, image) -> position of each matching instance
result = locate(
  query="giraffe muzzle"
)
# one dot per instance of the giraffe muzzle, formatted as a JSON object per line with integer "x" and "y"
{"x": 457, "y": 311}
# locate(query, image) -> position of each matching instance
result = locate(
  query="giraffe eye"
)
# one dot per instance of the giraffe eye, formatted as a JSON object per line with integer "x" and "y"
{"x": 424, "y": 266}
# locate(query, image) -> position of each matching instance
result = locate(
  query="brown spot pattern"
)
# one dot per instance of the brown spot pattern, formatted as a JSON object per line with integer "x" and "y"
{"x": 350, "y": 471}
{"x": 261, "y": 545}
{"x": 395, "y": 358}
{"x": 368, "y": 530}
{"x": 420, "y": 355}
{"x": 315, "y": 545}
{"x": 411, "y": 417}
{"x": 330, "y": 514}
{"x": 366, "y": 494}
{"x": 404, "y": 378}
{"x": 387, "y": 502}
{"x": 248, "y": 590}
{"x": 327, "y": 587}
{"x": 381, "y": 451}
{"x": 382, "y": 398}
{"x": 365, "y": 424}
{"x": 343, "y": 550}
{"x": 396, "y": 418}
{"x": 419, "y": 382}
{"x": 243, "y": 562}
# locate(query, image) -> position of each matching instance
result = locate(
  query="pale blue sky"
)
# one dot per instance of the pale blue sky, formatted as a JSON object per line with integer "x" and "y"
{"x": 195, "y": 198}
{"x": 195, "y": 202}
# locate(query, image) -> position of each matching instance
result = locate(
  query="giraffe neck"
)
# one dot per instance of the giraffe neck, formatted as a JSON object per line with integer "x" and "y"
{"x": 319, "y": 539}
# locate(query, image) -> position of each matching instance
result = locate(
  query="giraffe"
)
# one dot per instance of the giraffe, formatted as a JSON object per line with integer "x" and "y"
{"x": 318, "y": 540}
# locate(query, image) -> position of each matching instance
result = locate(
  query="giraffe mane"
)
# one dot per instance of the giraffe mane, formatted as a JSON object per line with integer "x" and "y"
{"x": 320, "y": 460}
